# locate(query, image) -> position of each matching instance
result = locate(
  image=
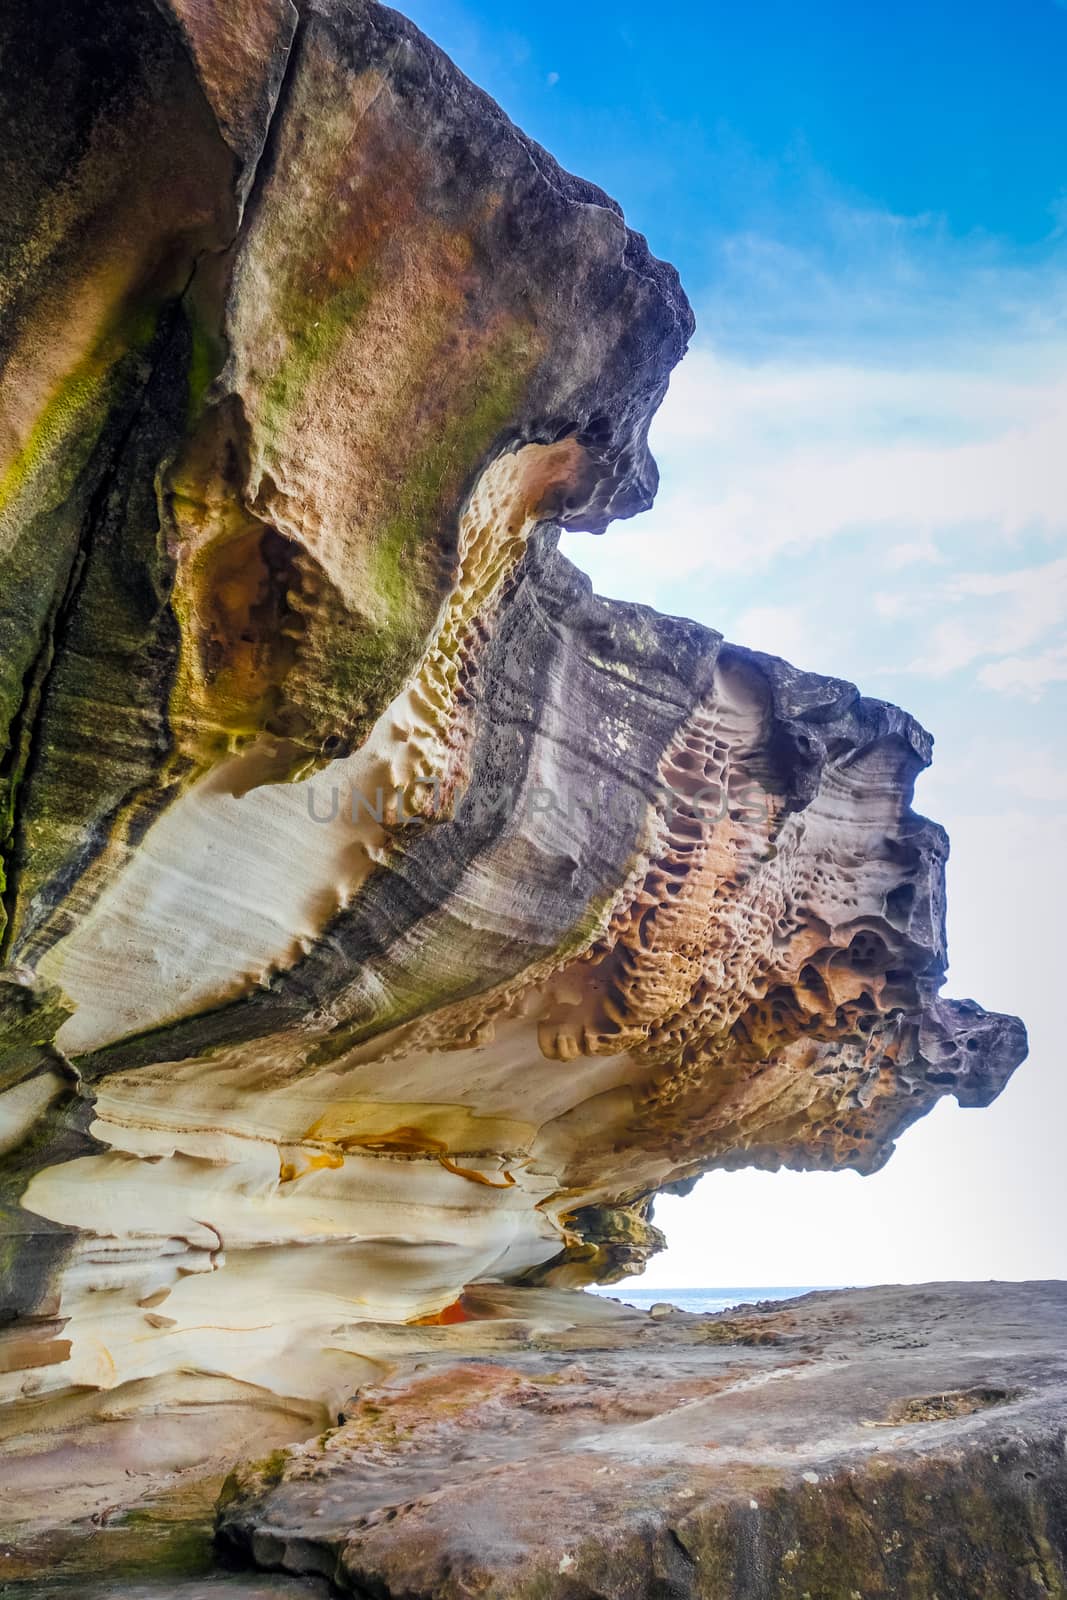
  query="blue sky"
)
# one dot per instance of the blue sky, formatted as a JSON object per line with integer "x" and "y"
{"x": 697, "y": 116}
{"x": 864, "y": 468}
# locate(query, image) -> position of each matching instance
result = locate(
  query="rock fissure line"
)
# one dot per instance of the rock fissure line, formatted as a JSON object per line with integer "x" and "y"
{"x": 24, "y": 732}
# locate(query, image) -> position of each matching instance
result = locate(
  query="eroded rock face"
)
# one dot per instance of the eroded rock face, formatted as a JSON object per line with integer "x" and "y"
{"x": 384, "y": 912}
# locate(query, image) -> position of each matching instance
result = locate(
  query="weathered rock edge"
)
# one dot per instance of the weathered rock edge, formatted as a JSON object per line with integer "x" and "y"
{"x": 901, "y": 1443}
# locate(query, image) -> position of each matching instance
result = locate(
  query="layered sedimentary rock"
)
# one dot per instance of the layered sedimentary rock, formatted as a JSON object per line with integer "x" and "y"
{"x": 383, "y": 911}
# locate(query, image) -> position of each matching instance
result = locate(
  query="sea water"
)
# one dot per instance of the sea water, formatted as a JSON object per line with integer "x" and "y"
{"x": 705, "y": 1300}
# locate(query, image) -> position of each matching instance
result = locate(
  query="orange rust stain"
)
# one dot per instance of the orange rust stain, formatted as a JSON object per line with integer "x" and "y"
{"x": 412, "y": 1141}
{"x": 289, "y": 1172}
{"x": 456, "y": 1312}
{"x": 476, "y": 1177}
{"x": 403, "y": 1140}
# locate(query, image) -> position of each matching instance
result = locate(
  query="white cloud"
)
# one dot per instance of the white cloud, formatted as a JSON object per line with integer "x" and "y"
{"x": 1032, "y": 773}
{"x": 831, "y": 275}
{"x": 951, "y": 645}
{"x": 1031, "y": 600}
{"x": 781, "y": 631}
{"x": 912, "y": 554}
{"x": 1003, "y": 613}
{"x": 1025, "y": 773}
{"x": 769, "y": 460}
{"x": 894, "y": 605}
{"x": 1027, "y": 675}
{"x": 718, "y": 398}
{"x": 760, "y": 459}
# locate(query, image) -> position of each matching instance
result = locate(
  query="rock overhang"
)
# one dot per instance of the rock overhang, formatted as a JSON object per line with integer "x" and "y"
{"x": 308, "y": 366}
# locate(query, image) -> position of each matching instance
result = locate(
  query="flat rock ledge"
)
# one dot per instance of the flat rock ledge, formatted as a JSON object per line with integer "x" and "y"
{"x": 907, "y": 1442}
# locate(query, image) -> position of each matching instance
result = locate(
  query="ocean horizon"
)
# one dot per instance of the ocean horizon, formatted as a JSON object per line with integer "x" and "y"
{"x": 712, "y": 1298}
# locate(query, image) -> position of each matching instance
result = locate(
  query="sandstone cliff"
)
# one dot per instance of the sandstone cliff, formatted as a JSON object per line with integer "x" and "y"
{"x": 383, "y": 911}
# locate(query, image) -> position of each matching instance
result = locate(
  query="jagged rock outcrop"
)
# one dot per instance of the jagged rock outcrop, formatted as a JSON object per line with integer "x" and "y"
{"x": 383, "y": 911}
